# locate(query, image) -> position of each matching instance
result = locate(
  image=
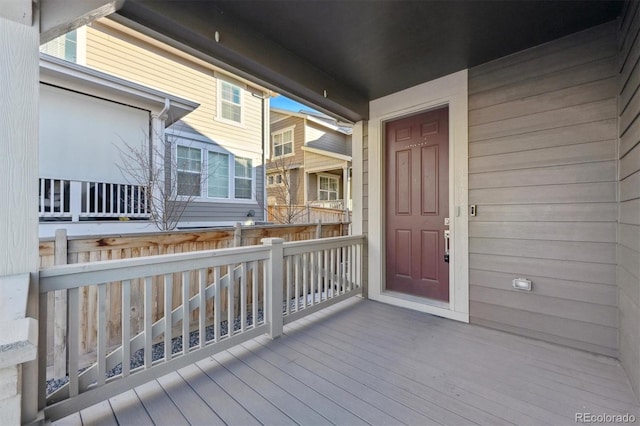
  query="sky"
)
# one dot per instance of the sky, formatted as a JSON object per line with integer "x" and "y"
{"x": 283, "y": 102}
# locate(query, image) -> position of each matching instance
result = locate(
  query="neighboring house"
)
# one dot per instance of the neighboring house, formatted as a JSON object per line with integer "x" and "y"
{"x": 88, "y": 120}
{"x": 313, "y": 153}
{"x": 218, "y": 149}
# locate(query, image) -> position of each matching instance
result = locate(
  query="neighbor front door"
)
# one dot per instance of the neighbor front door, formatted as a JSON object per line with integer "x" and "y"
{"x": 417, "y": 204}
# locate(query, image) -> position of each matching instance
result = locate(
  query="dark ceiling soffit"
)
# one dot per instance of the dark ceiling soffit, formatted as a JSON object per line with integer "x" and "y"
{"x": 248, "y": 54}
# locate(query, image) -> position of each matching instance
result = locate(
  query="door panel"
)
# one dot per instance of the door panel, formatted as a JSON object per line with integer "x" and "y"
{"x": 417, "y": 202}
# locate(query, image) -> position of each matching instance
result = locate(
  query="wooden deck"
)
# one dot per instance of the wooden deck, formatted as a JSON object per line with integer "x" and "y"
{"x": 362, "y": 362}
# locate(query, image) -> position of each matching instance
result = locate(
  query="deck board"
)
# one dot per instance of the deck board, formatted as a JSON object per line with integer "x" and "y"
{"x": 362, "y": 362}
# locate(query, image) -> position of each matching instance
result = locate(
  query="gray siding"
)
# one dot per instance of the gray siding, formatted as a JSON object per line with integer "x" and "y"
{"x": 320, "y": 137}
{"x": 542, "y": 170}
{"x": 628, "y": 277}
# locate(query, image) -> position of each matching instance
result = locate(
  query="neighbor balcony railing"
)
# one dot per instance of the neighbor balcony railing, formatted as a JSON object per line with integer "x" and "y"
{"x": 195, "y": 304}
{"x": 72, "y": 199}
{"x": 330, "y": 204}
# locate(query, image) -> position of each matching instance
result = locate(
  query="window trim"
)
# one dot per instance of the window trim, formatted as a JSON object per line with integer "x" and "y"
{"x": 219, "y": 102}
{"x": 179, "y": 170}
{"x": 293, "y": 142}
{"x": 252, "y": 178}
{"x": 328, "y": 176}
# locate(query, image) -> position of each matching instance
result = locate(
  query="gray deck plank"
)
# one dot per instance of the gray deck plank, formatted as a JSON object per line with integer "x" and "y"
{"x": 71, "y": 420}
{"x": 227, "y": 408}
{"x": 129, "y": 410}
{"x": 100, "y": 414}
{"x": 333, "y": 412}
{"x": 359, "y": 407}
{"x": 192, "y": 407}
{"x": 251, "y": 400}
{"x": 362, "y": 362}
{"x": 281, "y": 398}
{"x": 159, "y": 406}
{"x": 487, "y": 368}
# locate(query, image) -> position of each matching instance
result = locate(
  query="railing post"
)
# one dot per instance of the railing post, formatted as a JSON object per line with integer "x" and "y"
{"x": 237, "y": 235}
{"x": 75, "y": 200}
{"x": 275, "y": 278}
{"x": 319, "y": 229}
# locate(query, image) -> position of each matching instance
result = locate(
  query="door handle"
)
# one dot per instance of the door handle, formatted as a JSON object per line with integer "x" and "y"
{"x": 447, "y": 238}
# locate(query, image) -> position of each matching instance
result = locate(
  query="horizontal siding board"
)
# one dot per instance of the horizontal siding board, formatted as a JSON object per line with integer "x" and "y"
{"x": 629, "y": 259}
{"x": 629, "y": 236}
{"x": 630, "y": 212}
{"x": 559, "y": 250}
{"x": 198, "y": 211}
{"x": 630, "y": 111}
{"x": 603, "y": 171}
{"x": 552, "y": 156}
{"x": 603, "y": 232}
{"x": 561, "y": 308}
{"x": 629, "y": 162}
{"x": 575, "y": 334}
{"x": 574, "y": 95}
{"x": 584, "y": 212}
{"x": 577, "y": 114}
{"x": 561, "y": 269}
{"x": 597, "y": 192}
{"x": 574, "y": 50}
{"x": 630, "y": 138}
{"x": 630, "y": 187}
{"x": 550, "y": 287}
{"x": 628, "y": 285}
{"x": 567, "y": 135}
{"x": 630, "y": 87}
{"x": 580, "y": 74}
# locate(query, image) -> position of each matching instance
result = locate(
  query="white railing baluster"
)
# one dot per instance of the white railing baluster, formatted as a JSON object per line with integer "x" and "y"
{"x": 202, "y": 306}
{"x": 102, "y": 334}
{"x": 95, "y": 198}
{"x": 230, "y": 302}
{"x": 42, "y": 197}
{"x": 216, "y": 304}
{"x": 126, "y": 327}
{"x": 254, "y": 291}
{"x": 332, "y": 272}
{"x": 312, "y": 278}
{"x": 168, "y": 322}
{"x": 148, "y": 323}
{"x": 243, "y": 297}
{"x": 289, "y": 266}
{"x": 52, "y": 196}
{"x": 118, "y": 199}
{"x": 186, "y": 312}
{"x": 298, "y": 277}
{"x": 305, "y": 279}
{"x": 62, "y": 203}
{"x": 319, "y": 274}
{"x": 73, "y": 351}
{"x": 325, "y": 269}
{"x": 103, "y": 191}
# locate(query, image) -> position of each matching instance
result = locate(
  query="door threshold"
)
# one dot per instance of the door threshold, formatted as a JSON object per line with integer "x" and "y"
{"x": 421, "y": 304}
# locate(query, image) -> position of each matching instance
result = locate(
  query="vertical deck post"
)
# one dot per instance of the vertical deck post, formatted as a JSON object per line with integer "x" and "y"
{"x": 275, "y": 280}
{"x": 319, "y": 229}
{"x": 237, "y": 235}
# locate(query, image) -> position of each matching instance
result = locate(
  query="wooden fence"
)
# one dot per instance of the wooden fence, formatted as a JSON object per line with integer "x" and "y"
{"x": 306, "y": 214}
{"x": 64, "y": 250}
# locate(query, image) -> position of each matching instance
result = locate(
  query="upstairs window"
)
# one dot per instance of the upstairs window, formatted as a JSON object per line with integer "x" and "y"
{"x": 63, "y": 47}
{"x": 189, "y": 171}
{"x": 244, "y": 178}
{"x": 327, "y": 188}
{"x": 230, "y": 102}
{"x": 283, "y": 143}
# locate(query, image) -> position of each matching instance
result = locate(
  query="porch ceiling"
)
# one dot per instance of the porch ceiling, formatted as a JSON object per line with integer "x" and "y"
{"x": 360, "y": 50}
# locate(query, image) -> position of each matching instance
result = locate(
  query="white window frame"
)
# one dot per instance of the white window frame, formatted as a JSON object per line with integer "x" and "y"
{"x": 293, "y": 144}
{"x": 219, "y": 116}
{"x": 331, "y": 177}
{"x": 179, "y": 170}
{"x": 250, "y": 178}
{"x": 205, "y": 148}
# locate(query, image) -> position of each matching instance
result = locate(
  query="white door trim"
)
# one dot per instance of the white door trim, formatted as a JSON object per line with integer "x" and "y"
{"x": 451, "y": 90}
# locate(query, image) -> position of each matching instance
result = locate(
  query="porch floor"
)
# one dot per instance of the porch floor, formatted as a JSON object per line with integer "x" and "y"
{"x": 362, "y": 362}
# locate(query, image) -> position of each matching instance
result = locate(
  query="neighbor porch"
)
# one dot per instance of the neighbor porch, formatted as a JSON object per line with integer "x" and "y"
{"x": 361, "y": 362}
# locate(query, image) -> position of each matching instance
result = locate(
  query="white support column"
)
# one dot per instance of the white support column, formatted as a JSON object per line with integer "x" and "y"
{"x": 275, "y": 281}
{"x": 19, "y": 84}
{"x": 158, "y": 151}
{"x": 357, "y": 164}
{"x": 345, "y": 191}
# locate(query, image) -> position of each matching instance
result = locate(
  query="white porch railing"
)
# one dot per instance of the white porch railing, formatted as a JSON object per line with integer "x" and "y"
{"x": 328, "y": 204}
{"x": 71, "y": 199}
{"x": 224, "y": 297}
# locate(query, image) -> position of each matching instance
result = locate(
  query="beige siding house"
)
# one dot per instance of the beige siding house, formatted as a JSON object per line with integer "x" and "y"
{"x": 218, "y": 148}
{"x": 314, "y": 153}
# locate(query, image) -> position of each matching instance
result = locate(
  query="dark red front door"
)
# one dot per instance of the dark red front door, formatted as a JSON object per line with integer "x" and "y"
{"x": 417, "y": 203}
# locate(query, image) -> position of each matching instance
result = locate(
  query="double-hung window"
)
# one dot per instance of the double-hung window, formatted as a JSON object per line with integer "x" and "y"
{"x": 230, "y": 102}
{"x": 244, "y": 178}
{"x": 218, "y": 182}
{"x": 283, "y": 143}
{"x": 189, "y": 171}
{"x": 327, "y": 188}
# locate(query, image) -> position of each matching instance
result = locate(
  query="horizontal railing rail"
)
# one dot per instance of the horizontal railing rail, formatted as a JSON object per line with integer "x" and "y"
{"x": 209, "y": 301}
